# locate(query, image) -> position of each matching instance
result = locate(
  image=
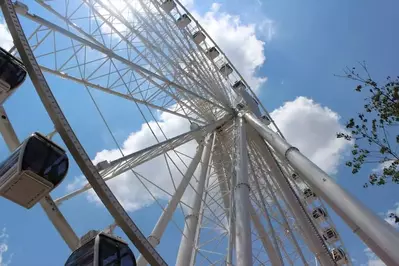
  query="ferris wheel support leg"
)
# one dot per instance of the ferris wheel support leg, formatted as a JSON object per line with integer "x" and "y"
{"x": 221, "y": 176}
{"x": 47, "y": 203}
{"x": 190, "y": 228}
{"x": 382, "y": 238}
{"x": 241, "y": 197}
{"x": 159, "y": 229}
{"x": 311, "y": 235}
{"x": 273, "y": 251}
{"x": 274, "y": 257}
{"x": 232, "y": 227}
{"x": 271, "y": 194}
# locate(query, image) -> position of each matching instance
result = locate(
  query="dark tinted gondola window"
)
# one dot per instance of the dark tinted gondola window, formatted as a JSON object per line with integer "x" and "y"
{"x": 11, "y": 70}
{"x": 84, "y": 256}
{"x": 115, "y": 253}
{"x": 41, "y": 158}
{"x": 9, "y": 162}
{"x": 108, "y": 252}
{"x": 127, "y": 257}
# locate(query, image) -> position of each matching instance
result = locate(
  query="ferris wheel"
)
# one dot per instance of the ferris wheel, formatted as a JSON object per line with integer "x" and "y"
{"x": 241, "y": 194}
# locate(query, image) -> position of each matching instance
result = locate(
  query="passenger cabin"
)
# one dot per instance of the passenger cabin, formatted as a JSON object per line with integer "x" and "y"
{"x": 226, "y": 69}
{"x": 12, "y": 74}
{"x": 240, "y": 88}
{"x": 32, "y": 171}
{"x": 319, "y": 214}
{"x": 308, "y": 195}
{"x": 330, "y": 235}
{"x": 295, "y": 176}
{"x": 103, "y": 165}
{"x": 339, "y": 256}
{"x": 183, "y": 21}
{"x": 198, "y": 37}
{"x": 239, "y": 85}
{"x": 212, "y": 53}
{"x": 265, "y": 120}
{"x": 168, "y": 5}
{"x": 102, "y": 250}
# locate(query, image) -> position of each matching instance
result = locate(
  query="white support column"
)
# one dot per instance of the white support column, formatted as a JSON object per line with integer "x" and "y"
{"x": 47, "y": 203}
{"x": 273, "y": 252}
{"x": 232, "y": 227}
{"x": 274, "y": 257}
{"x": 7, "y": 131}
{"x": 310, "y": 233}
{"x": 285, "y": 221}
{"x": 190, "y": 227}
{"x": 382, "y": 238}
{"x": 159, "y": 229}
{"x": 241, "y": 198}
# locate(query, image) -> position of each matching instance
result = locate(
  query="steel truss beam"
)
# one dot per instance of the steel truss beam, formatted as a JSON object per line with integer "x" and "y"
{"x": 68, "y": 136}
{"x": 190, "y": 228}
{"x": 382, "y": 238}
{"x": 123, "y": 164}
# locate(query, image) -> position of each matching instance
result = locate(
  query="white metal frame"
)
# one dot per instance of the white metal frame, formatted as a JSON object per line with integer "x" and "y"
{"x": 245, "y": 208}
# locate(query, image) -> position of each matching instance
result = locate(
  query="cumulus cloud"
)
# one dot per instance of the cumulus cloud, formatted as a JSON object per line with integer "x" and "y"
{"x": 305, "y": 123}
{"x": 391, "y": 220}
{"x": 127, "y": 187}
{"x": 4, "y": 248}
{"x": 238, "y": 41}
{"x": 373, "y": 260}
{"x": 312, "y": 129}
{"x": 6, "y": 41}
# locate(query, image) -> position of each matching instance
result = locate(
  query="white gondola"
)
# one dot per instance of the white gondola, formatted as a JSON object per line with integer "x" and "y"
{"x": 100, "y": 250}
{"x": 226, "y": 69}
{"x": 183, "y": 21}
{"x": 295, "y": 176}
{"x": 319, "y": 214}
{"x": 265, "y": 120}
{"x": 308, "y": 195}
{"x": 240, "y": 88}
{"x": 239, "y": 85}
{"x": 102, "y": 165}
{"x": 339, "y": 256}
{"x": 330, "y": 235}
{"x": 212, "y": 53}
{"x": 199, "y": 37}
{"x": 12, "y": 74}
{"x": 168, "y": 5}
{"x": 32, "y": 171}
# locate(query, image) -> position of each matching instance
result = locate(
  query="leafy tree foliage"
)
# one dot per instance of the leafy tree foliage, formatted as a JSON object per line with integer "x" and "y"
{"x": 375, "y": 130}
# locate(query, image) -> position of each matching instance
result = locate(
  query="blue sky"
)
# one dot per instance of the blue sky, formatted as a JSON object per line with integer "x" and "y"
{"x": 306, "y": 43}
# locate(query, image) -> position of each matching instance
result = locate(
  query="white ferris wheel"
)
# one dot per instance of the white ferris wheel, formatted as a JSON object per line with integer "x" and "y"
{"x": 244, "y": 197}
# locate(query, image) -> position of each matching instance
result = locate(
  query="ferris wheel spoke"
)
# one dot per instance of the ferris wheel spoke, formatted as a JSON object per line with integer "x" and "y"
{"x": 181, "y": 48}
{"x": 139, "y": 69}
{"x": 115, "y": 168}
{"x": 156, "y": 51}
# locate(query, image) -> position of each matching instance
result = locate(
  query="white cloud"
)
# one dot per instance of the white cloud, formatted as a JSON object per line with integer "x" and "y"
{"x": 238, "y": 41}
{"x": 312, "y": 129}
{"x": 4, "y": 248}
{"x": 6, "y": 41}
{"x": 391, "y": 220}
{"x": 267, "y": 29}
{"x": 373, "y": 260}
{"x": 306, "y": 124}
{"x": 127, "y": 187}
